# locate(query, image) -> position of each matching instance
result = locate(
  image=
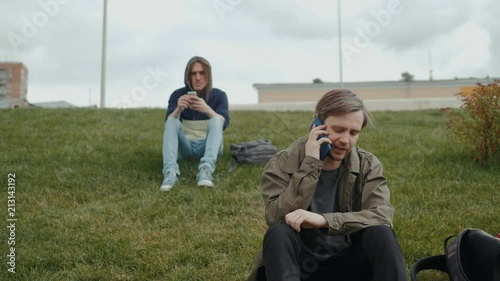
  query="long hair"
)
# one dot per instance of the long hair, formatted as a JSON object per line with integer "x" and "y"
{"x": 208, "y": 74}
{"x": 339, "y": 102}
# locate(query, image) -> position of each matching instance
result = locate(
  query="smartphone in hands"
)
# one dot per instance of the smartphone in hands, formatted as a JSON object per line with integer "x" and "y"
{"x": 325, "y": 147}
{"x": 190, "y": 94}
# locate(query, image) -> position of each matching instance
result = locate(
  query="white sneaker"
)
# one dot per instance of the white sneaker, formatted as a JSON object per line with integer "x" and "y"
{"x": 204, "y": 177}
{"x": 169, "y": 181}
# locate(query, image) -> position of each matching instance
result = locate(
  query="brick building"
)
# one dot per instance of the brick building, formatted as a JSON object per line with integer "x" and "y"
{"x": 13, "y": 85}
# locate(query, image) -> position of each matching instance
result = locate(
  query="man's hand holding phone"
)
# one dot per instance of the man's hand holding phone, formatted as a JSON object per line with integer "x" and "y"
{"x": 198, "y": 104}
{"x": 185, "y": 101}
{"x": 318, "y": 145}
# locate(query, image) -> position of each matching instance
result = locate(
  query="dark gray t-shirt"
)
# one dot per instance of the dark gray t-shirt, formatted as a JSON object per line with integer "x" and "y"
{"x": 317, "y": 243}
{"x": 324, "y": 200}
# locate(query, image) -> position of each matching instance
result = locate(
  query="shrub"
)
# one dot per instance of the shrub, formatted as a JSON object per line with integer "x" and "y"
{"x": 477, "y": 123}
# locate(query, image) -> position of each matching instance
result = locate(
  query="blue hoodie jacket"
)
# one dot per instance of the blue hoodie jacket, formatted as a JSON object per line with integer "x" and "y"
{"x": 215, "y": 98}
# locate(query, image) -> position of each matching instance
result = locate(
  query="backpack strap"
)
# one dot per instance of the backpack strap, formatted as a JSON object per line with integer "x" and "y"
{"x": 233, "y": 165}
{"x": 433, "y": 262}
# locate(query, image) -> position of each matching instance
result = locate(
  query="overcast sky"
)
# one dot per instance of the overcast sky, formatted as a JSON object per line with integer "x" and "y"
{"x": 247, "y": 41}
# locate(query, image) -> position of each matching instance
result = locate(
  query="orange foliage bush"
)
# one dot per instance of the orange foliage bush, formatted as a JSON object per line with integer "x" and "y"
{"x": 477, "y": 124}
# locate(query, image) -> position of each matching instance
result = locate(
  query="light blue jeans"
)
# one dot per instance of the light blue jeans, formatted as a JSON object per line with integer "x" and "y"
{"x": 177, "y": 147}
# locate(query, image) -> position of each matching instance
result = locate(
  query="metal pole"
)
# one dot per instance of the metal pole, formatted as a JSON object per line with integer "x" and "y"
{"x": 103, "y": 62}
{"x": 340, "y": 44}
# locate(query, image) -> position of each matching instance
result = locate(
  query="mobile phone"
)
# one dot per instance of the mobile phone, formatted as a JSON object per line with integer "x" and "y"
{"x": 325, "y": 147}
{"x": 192, "y": 93}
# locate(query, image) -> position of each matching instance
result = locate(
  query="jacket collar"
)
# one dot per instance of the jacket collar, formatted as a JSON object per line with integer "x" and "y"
{"x": 351, "y": 161}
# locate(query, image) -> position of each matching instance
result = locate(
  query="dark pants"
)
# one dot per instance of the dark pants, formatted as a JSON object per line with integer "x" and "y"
{"x": 374, "y": 255}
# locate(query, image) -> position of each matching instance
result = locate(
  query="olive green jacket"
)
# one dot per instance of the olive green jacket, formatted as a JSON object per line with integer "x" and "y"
{"x": 289, "y": 182}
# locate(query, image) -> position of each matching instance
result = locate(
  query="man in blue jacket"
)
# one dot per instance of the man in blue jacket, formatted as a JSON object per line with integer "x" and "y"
{"x": 194, "y": 124}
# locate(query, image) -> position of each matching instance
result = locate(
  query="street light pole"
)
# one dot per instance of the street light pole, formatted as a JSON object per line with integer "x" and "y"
{"x": 103, "y": 62}
{"x": 340, "y": 44}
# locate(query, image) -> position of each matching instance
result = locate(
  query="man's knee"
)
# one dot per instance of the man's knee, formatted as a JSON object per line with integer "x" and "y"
{"x": 215, "y": 123}
{"x": 172, "y": 126}
{"x": 279, "y": 234}
{"x": 172, "y": 122}
{"x": 381, "y": 239}
{"x": 380, "y": 231}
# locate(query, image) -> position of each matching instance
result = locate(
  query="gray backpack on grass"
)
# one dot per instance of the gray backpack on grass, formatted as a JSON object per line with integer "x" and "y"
{"x": 472, "y": 255}
{"x": 252, "y": 152}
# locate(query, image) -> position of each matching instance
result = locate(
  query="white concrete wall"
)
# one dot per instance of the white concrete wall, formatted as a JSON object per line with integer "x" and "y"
{"x": 371, "y": 105}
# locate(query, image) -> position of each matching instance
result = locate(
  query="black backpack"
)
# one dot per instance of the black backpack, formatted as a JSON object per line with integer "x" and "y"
{"x": 473, "y": 255}
{"x": 252, "y": 152}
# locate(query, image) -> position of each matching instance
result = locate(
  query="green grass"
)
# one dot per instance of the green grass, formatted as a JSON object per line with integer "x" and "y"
{"x": 89, "y": 207}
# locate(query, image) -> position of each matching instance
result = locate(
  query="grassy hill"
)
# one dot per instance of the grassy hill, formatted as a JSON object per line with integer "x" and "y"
{"x": 88, "y": 204}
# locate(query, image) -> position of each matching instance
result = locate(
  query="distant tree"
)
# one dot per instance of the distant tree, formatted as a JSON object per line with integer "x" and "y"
{"x": 406, "y": 76}
{"x": 317, "y": 81}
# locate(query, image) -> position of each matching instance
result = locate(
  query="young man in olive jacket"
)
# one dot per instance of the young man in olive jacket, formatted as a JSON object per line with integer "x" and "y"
{"x": 329, "y": 219}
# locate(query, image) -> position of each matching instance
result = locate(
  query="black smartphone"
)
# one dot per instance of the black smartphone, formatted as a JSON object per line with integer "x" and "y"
{"x": 325, "y": 147}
